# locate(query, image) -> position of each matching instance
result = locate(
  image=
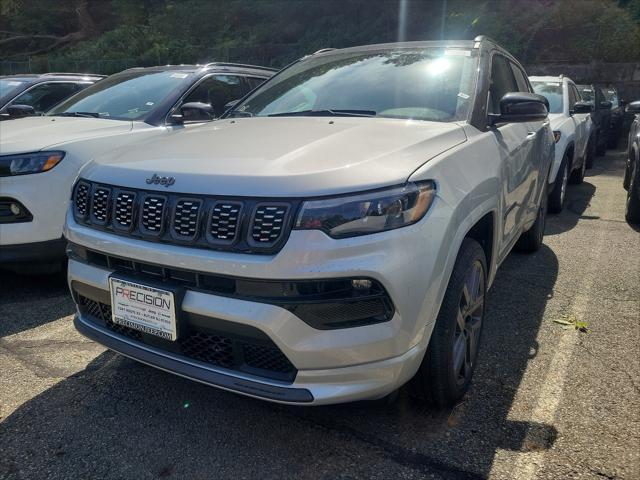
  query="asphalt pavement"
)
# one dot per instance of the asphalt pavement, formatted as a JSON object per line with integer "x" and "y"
{"x": 548, "y": 400}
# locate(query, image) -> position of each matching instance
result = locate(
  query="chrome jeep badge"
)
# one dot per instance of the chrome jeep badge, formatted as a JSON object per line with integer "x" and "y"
{"x": 158, "y": 180}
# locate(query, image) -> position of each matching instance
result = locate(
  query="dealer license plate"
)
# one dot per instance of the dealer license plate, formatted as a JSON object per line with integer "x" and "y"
{"x": 142, "y": 307}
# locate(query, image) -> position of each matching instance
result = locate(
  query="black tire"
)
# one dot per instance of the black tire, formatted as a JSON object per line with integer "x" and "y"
{"x": 439, "y": 379}
{"x": 531, "y": 240}
{"x": 559, "y": 192}
{"x": 591, "y": 151}
{"x": 577, "y": 176}
{"x": 612, "y": 142}
{"x": 632, "y": 209}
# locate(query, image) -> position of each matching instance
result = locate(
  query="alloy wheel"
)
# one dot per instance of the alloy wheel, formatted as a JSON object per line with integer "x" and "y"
{"x": 469, "y": 322}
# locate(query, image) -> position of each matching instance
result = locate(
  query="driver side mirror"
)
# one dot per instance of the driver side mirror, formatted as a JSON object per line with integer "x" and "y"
{"x": 582, "y": 107}
{"x": 520, "y": 107}
{"x": 193, "y": 112}
{"x": 605, "y": 105}
{"x": 19, "y": 111}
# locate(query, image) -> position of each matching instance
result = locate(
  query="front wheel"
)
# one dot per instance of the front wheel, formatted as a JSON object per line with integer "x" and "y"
{"x": 558, "y": 194}
{"x": 577, "y": 176}
{"x": 446, "y": 370}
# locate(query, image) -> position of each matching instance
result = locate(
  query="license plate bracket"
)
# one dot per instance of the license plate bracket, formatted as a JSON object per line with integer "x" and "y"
{"x": 149, "y": 307}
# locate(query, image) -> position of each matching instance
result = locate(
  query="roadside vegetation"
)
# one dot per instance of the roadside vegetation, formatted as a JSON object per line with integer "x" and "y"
{"x": 116, "y": 34}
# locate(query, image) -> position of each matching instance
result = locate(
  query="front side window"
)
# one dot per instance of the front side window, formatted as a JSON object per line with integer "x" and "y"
{"x": 44, "y": 96}
{"x": 502, "y": 82}
{"x": 432, "y": 84}
{"x": 217, "y": 91}
{"x": 552, "y": 91}
{"x": 131, "y": 95}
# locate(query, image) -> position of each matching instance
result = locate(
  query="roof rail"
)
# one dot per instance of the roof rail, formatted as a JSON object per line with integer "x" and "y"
{"x": 322, "y": 50}
{"x": 231, "y": 64}
{"x": 485, "y": 38}
{"x": 69, "y": 74}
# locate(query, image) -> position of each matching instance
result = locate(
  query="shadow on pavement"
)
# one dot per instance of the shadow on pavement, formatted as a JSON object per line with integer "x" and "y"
{"x": 28, "y": 301}
{"x": 120, "y": 419}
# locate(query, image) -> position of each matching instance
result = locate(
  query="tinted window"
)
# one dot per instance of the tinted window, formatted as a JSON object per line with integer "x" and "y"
{"x": 254, "y": 81}
{"x": 502, "y": 82}
{"x": 587, "y": 93}
{"x": 44, "y": 96}
{"x": 612, "y": 96}
{"x": 217, "y": 91}
{"x": 130, "y": 95}
{"x": 423, "y": 84}
{"x": 552, "y": 91}
{"x": 521, "y": 79}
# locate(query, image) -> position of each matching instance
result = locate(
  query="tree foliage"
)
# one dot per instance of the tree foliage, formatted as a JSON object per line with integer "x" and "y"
{"x": 277, "y": 31}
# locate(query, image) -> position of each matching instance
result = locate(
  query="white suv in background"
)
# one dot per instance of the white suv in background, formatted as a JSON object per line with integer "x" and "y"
{"x": 572, "y": 128}
{"x": 329, "y": 239}
{"x": 40, "y": 157}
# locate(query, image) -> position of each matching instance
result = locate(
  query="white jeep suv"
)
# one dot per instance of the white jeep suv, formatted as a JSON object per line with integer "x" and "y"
{"x": 330, "y": 238}
{"x": 40, "y": 157}
{"x": 574, "y": 135}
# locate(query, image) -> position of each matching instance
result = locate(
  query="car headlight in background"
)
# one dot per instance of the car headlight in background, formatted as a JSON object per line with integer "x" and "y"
{"x": 26, "y": 163}
{"x": 556, "y": 135}
{"x": 372, "y": 212}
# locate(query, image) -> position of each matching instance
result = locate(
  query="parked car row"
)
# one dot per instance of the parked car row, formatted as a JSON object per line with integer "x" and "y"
{"x": 329, "y": 238}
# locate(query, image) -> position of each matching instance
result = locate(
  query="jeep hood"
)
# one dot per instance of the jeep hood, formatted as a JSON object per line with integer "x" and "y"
{"x": 282, "y": 157}
{"x": 37, "y": 133}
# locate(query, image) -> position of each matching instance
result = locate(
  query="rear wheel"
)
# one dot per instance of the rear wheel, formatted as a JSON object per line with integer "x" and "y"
{"x": 577, "y": 176}
{"x": 531, "y": 240}
{"x": 558, "y": 194}
{"x": 632, "y": 211}
{"x": 446, "y": 371}
{"x": 601, "y": 146}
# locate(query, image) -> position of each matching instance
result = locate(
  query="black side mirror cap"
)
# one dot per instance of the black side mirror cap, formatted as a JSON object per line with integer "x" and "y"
{"x": 634, "y": 107}
{"x": 193, "y": 111}
{"x": 521, "y": 107}
{"x": 605, "y": 105}
{"x": 582, "y": 107}
{"x": 18, "y": 111}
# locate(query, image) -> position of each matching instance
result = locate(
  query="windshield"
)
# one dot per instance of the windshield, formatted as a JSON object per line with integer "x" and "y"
{"x": 423, "y": 84}
{"x": 553, "y": 92}
{"x": 9, "y": 86}
{"x": 587, "y": 93}
{"x": 125, "y": 96}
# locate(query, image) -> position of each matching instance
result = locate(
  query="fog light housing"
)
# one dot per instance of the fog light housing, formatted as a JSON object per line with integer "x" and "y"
{"x": 12, "y": 211}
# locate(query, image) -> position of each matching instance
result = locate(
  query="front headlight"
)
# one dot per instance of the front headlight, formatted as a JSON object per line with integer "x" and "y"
{"x": 25, "y": 163}
{"x": 366, "y": 213}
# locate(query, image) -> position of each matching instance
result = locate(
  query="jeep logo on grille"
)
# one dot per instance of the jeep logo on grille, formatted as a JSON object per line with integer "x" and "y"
{"x": 158, "y": 180}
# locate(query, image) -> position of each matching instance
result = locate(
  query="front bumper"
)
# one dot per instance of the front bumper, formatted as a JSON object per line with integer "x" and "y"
{"x": 333, "y": 366}
{"x": 29, "y": 253}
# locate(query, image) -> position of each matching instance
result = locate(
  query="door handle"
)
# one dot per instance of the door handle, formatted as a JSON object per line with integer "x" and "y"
{"x": 531, "y": 135}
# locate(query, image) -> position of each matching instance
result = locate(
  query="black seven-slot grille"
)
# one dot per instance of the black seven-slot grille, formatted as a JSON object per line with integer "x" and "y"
{"x": 252, "y": 225}
{"x": 250, "y": 351}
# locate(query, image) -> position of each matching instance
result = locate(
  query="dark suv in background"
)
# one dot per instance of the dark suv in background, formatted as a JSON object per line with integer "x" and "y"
{"x": 601, "y": 114}
{"x": 617, "y": 116}
{"x": 29, "y": 94}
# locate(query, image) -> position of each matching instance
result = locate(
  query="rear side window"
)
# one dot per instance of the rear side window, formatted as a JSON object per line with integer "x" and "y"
{"x": 502, "y": 82}
{"x": 254, "y": 82}
{"x": 45, "y": 96}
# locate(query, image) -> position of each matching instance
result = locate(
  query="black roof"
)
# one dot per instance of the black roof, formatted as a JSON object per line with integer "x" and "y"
{"x": 223, "y": 66}
{"x": 30, "y": 77}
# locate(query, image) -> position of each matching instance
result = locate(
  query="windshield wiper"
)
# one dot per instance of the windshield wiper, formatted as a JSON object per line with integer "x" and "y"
{"x": 327, "y": 113}
{"x": 238, "y": 113}
{"x": 77, "y": 114}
